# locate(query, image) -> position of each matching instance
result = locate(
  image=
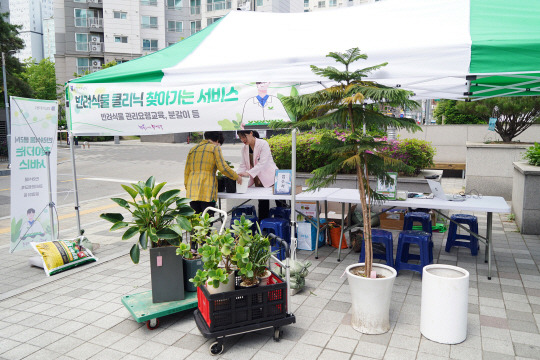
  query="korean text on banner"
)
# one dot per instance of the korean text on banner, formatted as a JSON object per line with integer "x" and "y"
{"x": 34, "y": 124}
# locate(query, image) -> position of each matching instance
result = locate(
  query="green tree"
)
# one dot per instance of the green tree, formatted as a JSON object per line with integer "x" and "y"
{"x": 42, "y": 79}
{"x": 448, "y": 110}
{"x": 10, "y": 42}
{"x": 514, "y": 114}
{"x": 343, "y": 105}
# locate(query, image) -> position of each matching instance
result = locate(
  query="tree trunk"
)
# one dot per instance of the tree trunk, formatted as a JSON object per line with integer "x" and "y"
{"x": 366, "y": 215}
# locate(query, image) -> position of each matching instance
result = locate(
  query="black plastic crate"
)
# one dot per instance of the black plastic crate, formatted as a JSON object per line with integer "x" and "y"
{"x": 243, "y": 307}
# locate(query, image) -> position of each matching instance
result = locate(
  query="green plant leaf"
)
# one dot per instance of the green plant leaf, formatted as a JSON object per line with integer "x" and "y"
{"x": 157, "y": 189}
{"x": 130, "y": 233}
{"x": 132, "y": 192}
{"x": 135, "y": 253}
{"x": 183, "y": 223}
{"x": 143, "y": 240}
{"x": 112, "y": 217}
{"x": 150, "y": 182}
{"x": 167, "y": 195}
{"x": 119, "y": 225}
{"x": 148, "y": 192}
{"x": 166, "y": 233}
{"x": 123, "y": 203}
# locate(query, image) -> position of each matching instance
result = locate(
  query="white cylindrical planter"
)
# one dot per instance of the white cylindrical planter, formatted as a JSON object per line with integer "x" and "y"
{"x": 371, "y": 299}
{"x": 445, "y": 301}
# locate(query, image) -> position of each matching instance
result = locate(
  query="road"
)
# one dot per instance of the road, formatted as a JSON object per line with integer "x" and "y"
{"x": 101, "y": 169}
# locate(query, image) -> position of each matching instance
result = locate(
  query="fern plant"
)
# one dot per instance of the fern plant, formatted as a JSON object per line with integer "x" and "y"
{"x": 352, "y": 103}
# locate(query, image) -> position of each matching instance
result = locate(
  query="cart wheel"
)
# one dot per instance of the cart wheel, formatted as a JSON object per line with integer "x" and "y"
{"x": 277, "y": 334}
{"x": 152, "y": 324}
{"x": 216, "y": 348}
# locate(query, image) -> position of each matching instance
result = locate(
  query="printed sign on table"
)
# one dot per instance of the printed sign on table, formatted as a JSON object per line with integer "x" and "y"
{"x": 34, "y": 124}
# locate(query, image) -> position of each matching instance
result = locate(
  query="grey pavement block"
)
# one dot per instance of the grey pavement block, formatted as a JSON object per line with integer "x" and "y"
{"x": 496, "y": 356}
{"x": 8, "y": 344}
{"x": 338, "y": 306}
{"x": 525, "y": 338}
{"x": 174, "y": 353}
{"x": 370, "y": 350}
{"x": 399, "y": 354}
{"x": 527, "y": 351}
{"x": 382, "y": 339}
{"x": 334, "y": 355}
{"x": 465, "y": 353}
{"x": 149, "y": 350}
{"x": 106, "y": 338}
{"x": 283, "y": 347}
{"x": 433, "y": 348}
{"x": 169, "y": 337}
{"x": 190, "y": 342}
{"x": 499, "y": 346}
{"x": 43, "y": 354}
{"x": 405, "y": 342}
{"x": 108, "y": 354}
{"x": 327, "y": 328}
{"x": 304, "y": 352}
{"x": 84, "y": 351}
{"x": 523, "y": 326}
{"x": 21, "y": 351}
{"x": 126, "y": 344}
{"x": 342, "y": 344}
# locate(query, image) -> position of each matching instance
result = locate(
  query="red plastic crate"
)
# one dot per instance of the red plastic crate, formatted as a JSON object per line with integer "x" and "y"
{"x": 243, "y": 307}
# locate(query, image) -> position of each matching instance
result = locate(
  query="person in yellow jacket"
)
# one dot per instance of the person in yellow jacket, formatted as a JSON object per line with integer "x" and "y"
{"x": 200, "y": 173}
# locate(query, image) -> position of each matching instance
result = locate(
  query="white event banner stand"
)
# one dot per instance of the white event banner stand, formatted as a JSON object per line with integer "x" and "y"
{"x": 260, "y": 193}
{"x": 488, "y": 204}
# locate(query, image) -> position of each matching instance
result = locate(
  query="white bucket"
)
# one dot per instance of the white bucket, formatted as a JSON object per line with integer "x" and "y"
{"x": 242, "y": 189}
{"x": 445, "y": 300}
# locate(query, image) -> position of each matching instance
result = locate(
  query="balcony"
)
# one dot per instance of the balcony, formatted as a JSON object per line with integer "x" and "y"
{"x": 95, "y": 23}
{"x": 95, "y": 4}
{"x": 96, "y": 47}
{"x": 224, "y": 5}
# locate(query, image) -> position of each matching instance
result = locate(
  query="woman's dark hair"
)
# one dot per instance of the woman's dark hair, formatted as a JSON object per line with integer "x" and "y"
{"x": 214, "y": 136}
{"x": 245, "y": 132}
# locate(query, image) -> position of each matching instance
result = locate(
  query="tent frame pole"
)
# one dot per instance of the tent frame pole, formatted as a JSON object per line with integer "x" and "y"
{"x": 72, "y": 151}
{"x": 293, "y": 195}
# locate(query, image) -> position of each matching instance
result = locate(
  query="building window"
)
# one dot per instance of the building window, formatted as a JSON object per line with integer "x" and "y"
{"x": 87, "y": 18}
{"x": 149, "y": 2}
{"x": 118, "y": 62}
{"x": 83, "y": 66}
{"x": 149, "y": 45}
{"x": 174, "y": 4}
{"x": 81, "y": 42}
{"x": 213, "y": 5}
{"x": 195, "y": 26}
{"x": 121, "y": 39}
{"x": 322, "y": 4}
{"x": 332, "y": 3}
{"x": 149, "y": 22}
{"x": 210, "y": 21}
{"x": 120, "y": 15}
{"x": 306, "y": 3}
{"x": 195, "y": 6}
{"x": 259, "y": 2}
{"x": 80, "y": 17}
{"x": 174, "y": 26}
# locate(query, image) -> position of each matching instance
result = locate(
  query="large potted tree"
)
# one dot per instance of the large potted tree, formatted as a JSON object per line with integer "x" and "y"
{"x": 353, "y": 103}
{"x": 162, "y": 219}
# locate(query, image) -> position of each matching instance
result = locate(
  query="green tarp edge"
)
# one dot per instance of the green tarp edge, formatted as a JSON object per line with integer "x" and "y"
{"x": 516, "y": 27}
{"x": 148, "y": 68}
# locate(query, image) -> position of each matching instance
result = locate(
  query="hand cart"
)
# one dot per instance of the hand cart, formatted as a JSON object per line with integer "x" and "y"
{"x": 241, "y": 311}
{"x": 143, "y": 309}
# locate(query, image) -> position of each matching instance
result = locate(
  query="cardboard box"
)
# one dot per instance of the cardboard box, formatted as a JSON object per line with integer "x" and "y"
{"x": 393, "y": 219}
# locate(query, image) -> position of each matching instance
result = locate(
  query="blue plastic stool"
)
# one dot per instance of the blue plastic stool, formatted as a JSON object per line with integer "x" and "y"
{"x": 280, "y": 212}
{"x": 453, "y": 237}
{"x": 279, "y": 227}
{"x": 420, "y": 238}
{"x": 253, "y": 219}
{"x": 244, "y": 210}
{"x": 418, "y": 216}
{"x": 381, "y": 237}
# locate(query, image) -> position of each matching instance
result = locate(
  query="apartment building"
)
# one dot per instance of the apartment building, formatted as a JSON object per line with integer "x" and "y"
{"x": 317, "y": 5}
{"x": 27, "y": 13}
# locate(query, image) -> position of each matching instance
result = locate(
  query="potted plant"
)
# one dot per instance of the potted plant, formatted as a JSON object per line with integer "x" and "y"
{"x": 160, "y": 218}
{"x": 259, "y": 253}
{"x": 222, "y": 179}
{"x": 354, "y": 103}
{"x": 201, "y": 229}
{"x": 217, "y": 256}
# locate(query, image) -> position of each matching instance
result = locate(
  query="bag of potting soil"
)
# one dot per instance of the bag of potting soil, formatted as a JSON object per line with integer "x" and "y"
{"x": 62, "y": 255}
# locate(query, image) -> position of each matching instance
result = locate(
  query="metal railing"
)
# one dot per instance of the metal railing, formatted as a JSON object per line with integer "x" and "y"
{"x": 222, "y": 5}
{"x": 95, "y": 22}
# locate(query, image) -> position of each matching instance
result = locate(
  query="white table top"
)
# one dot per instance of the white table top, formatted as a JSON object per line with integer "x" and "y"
{"x": 258, "y": 193}
{"x": 494, "y": 204}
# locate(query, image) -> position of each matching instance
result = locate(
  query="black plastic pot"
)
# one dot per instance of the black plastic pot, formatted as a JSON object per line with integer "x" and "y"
{"x": 190, "y": 270}
{"x": 230, "y": 185}
{"x": 221, "y": 184}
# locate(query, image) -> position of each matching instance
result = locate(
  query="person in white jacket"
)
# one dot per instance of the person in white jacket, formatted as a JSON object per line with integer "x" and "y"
{"x": 257, "y": 163}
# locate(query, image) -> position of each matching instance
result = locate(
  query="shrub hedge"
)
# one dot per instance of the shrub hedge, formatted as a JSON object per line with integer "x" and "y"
{"x": 413, "y": 152}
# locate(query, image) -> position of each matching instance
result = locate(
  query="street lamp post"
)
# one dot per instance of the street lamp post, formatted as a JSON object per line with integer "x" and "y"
{"x": 6, "y": 101}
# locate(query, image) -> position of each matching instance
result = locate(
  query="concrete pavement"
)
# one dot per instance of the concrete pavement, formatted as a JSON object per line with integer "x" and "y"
{"x": 78, "y": 314}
